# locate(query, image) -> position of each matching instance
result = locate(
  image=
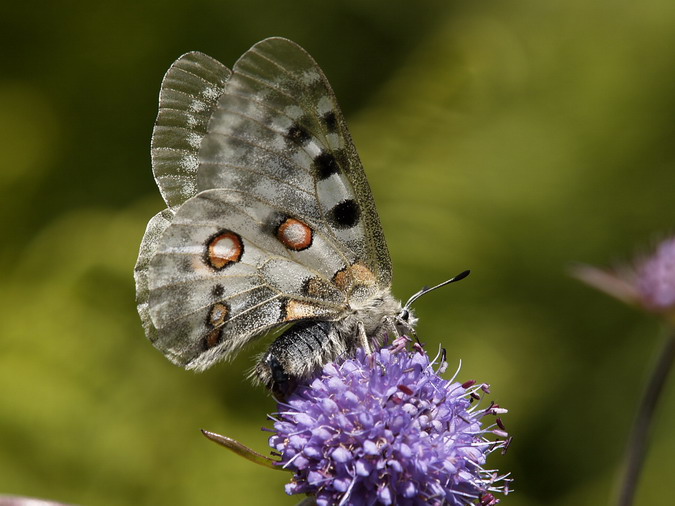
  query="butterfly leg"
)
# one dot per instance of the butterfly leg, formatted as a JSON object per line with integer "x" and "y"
{"x": 390, "y": 329}
{"x": 387, "y": 332}
{"x": 363, "y": 338}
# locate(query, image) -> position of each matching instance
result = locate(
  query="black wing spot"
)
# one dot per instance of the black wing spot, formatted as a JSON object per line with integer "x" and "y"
{"x": 325, "y": 165}
{"x": 330, "y": 120}
{"x": 218, "y": 291}
{"x": 346, "y": 214}
{"x": 298, "y": 135}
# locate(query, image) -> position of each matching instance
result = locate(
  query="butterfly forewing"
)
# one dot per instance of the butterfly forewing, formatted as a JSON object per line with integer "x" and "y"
{"x": 278, "y": 124}
{"x": 272, "y": 219}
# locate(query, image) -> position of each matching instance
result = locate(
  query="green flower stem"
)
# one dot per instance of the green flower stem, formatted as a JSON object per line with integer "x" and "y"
{"x": 637, "y": 445}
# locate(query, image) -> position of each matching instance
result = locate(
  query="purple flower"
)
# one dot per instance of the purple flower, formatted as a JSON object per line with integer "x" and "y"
{"x": 385, "y": 428}
{"x": 656, "y": 278}
{"x": 649, "y": 284}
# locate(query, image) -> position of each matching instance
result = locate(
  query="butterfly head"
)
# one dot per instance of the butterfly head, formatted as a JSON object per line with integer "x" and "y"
{"x": 406, "y": 321}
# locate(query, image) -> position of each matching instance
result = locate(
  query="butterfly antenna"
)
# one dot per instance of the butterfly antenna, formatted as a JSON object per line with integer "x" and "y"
{"x": 426, "y": 289}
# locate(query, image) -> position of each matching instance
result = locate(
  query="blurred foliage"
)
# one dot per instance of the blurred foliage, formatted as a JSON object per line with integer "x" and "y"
{"x": 512, "y": 138}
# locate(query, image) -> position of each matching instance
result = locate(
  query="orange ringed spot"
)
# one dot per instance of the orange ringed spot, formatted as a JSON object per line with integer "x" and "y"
{"x": 295, "y": 235}
{"x": 213, "y": 338}
{"x": 223, "y": 249}
{"x": 218, "y": 314}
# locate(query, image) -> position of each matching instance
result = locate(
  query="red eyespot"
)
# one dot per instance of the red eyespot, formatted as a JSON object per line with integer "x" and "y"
{"x": 224, "y": 249}
{"x": 295, "y": 235}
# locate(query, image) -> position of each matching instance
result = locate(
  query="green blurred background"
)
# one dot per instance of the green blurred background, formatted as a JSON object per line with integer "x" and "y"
{"x": 511, "y": 137}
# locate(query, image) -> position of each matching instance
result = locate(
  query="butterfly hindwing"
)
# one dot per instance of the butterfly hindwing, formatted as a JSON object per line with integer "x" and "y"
{"x": 220, "y": 276}
{"x": 151, "y": 241}
{"x": 188, "y": 97}
{"x": 271, "y": 218}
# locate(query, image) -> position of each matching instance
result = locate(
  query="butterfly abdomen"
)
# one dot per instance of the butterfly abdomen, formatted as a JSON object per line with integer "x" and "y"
{"x": 297, "y": 353}
{"x": 308, "y": 345}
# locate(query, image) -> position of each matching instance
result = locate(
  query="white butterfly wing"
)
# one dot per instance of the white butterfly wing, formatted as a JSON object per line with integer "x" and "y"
{"x": 275, "y": 223}
{"x": 188, "y": 97}
{"x": 211, "y": 289}
{"x": 278, "y": 130}
{"x": 151, "y": 241}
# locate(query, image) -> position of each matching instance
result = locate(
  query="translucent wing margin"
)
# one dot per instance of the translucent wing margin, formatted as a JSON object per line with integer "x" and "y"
{"x": 151, "y": 241}
{"x": 188, "y": 97}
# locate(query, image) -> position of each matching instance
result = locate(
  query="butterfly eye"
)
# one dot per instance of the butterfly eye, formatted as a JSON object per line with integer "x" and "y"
{"x": 404, "y": 314}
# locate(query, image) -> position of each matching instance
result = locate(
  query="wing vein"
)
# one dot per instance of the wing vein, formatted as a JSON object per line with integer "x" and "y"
{"x": 253, "y": 171}
{"x": 259, "y": 146}
{"x": 202, "y": 79}
{"x": 321, "y": 139}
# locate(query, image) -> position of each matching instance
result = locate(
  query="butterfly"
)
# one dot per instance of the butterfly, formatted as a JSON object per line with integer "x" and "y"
{"x": 270, "y": 221}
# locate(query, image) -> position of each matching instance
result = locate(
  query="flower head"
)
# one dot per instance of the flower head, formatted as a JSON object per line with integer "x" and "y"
{"x": 656, "y": 278}
{"x": 386, "y": 428}
{"x": 649, "y": 283}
